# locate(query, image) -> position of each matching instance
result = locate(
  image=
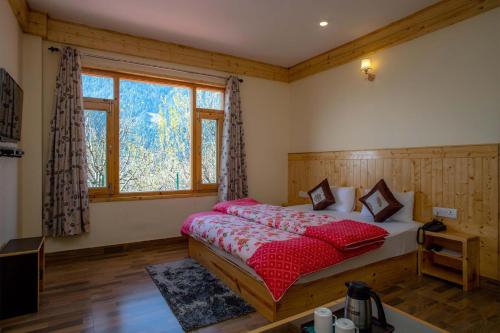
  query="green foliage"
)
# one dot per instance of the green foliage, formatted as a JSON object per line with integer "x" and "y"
{"x": 155, "y": 131}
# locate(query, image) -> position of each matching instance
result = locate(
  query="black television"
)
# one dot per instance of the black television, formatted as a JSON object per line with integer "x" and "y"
{"x": 11, "y": 108}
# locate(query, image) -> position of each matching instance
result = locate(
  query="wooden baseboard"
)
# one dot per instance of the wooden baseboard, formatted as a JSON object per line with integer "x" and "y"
{"x": 114, "y": 249}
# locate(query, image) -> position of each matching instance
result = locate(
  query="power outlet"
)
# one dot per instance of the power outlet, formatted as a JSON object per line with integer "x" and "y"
{"x": 303, "y": 194}
{"x": 450, "y": 213}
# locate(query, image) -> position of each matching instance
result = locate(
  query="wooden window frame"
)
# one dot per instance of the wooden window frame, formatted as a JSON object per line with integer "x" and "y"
{"x": 104, "y": 105}
{"x": 112, "y": 107}
{"x": 210, "y": 115}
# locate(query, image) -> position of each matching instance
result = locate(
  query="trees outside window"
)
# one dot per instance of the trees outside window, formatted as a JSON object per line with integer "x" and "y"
{"x": 148, "y": 136}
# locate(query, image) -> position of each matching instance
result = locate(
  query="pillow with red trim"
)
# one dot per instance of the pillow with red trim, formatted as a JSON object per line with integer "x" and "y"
{"x": 223, "y": 206}
{"x": 321, "y": 195}
{"x": 381, "y": 202}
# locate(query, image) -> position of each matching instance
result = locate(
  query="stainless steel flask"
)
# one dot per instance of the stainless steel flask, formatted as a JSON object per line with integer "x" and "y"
{"x": 358, "y": 306}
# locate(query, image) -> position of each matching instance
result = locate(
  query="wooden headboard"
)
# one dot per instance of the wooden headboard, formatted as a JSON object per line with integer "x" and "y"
{"x": 461, "y": 177}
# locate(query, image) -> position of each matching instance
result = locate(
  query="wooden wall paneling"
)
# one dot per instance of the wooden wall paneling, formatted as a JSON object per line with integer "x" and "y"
{"x": 461, "y": 192}
{"x": 388, "y": 172}
{"x": 437, "y": 182}
{"x": 461, "y": 177}
{"x": 372, "y": 173}
{"x": 423, "y": 199}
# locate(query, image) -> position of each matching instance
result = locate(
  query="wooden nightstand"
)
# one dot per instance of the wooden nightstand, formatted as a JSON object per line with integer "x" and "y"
{"x": 460, "y": 266}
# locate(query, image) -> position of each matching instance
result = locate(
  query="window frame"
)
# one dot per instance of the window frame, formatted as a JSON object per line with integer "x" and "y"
{"x": 210, "y": 115}
{"x": 112, "y": 191}
{"x": 104, "y": 105}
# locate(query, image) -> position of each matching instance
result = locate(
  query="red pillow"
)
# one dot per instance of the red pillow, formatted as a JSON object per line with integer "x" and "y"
{"x": 321, "y": 196}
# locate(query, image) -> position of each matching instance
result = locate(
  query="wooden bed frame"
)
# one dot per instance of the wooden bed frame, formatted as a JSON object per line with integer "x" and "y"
{"x": 300, "y": 297}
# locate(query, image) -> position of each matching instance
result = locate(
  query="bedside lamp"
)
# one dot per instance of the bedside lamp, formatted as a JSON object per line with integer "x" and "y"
{"x": 366, "y": 68}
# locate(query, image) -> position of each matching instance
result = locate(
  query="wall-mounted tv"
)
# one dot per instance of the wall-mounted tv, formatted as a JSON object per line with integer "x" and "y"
{"x": 11, "y": 108}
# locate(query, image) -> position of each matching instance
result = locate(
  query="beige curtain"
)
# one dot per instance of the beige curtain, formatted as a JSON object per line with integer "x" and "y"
{"x": 66, "y": 206}
{"x": 233, "y": 168}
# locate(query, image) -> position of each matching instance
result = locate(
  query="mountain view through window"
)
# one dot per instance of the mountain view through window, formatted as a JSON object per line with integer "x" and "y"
{"x": 155, "y": 134}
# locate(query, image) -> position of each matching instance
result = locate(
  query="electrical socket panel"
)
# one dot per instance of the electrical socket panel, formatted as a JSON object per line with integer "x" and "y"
{"x": 450, "y": 213}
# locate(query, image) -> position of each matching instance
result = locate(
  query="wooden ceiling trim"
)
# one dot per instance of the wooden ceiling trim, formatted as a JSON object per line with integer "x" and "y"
{"x": 21, "y": 11}
{"x": 37, "y": 24}
{"x": 432, "y": 18}
{"x": 106, "y": 40}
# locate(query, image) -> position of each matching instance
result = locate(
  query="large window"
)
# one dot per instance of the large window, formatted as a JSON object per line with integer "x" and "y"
{"x": 150, "y": 137}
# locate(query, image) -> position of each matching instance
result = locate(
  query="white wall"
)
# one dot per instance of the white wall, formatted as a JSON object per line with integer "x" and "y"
{"x": 31, "y": 166}
{"x": 265, "y": 109}
{"x": 10, "y": 59}
{"x": 440, "y": 89}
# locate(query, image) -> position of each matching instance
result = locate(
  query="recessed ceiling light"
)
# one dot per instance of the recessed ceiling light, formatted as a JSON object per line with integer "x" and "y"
{"x": 323, "y": 23}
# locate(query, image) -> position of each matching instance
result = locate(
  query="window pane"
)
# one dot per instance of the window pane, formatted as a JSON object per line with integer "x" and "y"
{"x": 208, "y": 151}
{"x": 97, "y": 86}
{"x": 155, "y": 137}
{"x": 95, "y": 139}
{"x": 209, "y": 99}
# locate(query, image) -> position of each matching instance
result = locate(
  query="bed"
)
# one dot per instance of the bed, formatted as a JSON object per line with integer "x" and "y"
{"x": 382, "y": 267}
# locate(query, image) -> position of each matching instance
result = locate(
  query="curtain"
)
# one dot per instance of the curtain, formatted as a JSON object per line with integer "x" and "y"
{"x": 233, "y": 169}
{"x": 66, "y": 206}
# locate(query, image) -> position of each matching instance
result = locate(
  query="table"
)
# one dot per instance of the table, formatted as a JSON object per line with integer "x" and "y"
{"x": 22, "y": 265}
{"x": 462, "y": 268}
{"x": 403, "y": 322}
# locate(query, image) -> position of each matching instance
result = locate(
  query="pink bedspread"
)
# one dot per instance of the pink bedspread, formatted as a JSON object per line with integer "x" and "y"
{"x": 343, "y": 234}
{"x": 278, "y": 257}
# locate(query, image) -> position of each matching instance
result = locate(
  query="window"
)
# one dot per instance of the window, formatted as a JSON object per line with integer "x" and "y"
{"x": 150, "y": 137}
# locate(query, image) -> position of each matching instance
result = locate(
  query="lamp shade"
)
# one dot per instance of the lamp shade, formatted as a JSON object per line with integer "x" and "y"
{"x": 366, "y": 64}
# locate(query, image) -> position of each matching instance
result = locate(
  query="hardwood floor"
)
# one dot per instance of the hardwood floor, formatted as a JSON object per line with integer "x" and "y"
{"x": 111, "y": 292}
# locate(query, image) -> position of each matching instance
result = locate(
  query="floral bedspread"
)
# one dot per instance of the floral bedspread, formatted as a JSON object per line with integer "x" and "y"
{"x": 343, "y": 234}
{"x": 278, "y": 257}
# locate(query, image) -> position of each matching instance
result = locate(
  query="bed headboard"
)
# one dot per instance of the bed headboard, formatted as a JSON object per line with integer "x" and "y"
{"x": 461, "y": 177}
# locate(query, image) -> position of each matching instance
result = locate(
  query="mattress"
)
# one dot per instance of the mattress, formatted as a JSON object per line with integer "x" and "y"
{"x": 401, "y": 240}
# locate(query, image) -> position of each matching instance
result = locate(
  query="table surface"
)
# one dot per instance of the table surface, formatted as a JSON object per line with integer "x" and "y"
{"x": 22, "y": 246}
{"x": 403, "y": 322}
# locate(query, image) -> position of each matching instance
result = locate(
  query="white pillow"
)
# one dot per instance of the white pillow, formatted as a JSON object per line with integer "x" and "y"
{"x": 405, "y": 214}
{"x": 344, "y": 199}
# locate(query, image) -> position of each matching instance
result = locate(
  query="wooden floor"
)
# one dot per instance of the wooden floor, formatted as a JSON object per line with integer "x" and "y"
{"x": 112, "y": 293}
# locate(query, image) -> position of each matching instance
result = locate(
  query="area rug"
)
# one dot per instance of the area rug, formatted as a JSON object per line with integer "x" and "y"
{"x": 197, "y": 298}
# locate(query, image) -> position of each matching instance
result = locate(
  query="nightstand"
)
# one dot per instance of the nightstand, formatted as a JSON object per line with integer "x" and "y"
{"x": 458, "y": 262}
{"x": 22, "y": 265}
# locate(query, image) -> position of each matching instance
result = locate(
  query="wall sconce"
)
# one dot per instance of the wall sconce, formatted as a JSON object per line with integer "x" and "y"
{"x": 366, "y": 68}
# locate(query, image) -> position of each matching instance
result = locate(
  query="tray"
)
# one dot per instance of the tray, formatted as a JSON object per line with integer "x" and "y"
{"x": 376, "y": 327}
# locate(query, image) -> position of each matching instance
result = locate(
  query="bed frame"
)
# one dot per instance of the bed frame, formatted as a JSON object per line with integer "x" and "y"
{"x": 300, "y": 297}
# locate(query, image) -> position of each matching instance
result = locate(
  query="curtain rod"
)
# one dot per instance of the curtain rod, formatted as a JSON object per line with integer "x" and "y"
{"x": 55, "y": 49}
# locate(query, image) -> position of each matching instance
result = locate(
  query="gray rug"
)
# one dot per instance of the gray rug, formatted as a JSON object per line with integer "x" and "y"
{"x": 196, "y": 297}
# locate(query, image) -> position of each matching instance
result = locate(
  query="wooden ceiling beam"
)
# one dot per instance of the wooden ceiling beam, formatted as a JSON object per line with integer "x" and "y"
{"x": 105, "y": 40}
{"x": 21, "y": 11}
{"x": 429, "y": 19}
